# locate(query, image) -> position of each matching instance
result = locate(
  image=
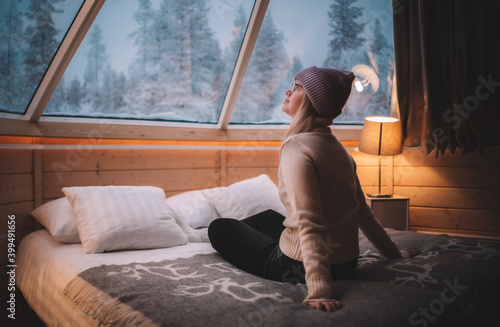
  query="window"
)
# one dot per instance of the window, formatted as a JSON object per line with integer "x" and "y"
{"x": 347, "y": 34}
{"x": 156, "y": 60}
{"x": 173, "y": 60}
{"x": 31, "y": 31}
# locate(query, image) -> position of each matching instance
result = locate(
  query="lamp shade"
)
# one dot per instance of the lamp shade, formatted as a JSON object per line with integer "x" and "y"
{"x": 381, "y": 136}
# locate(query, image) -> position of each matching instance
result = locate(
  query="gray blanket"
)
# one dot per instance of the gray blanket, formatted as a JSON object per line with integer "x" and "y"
{"x": 454, "y": 282}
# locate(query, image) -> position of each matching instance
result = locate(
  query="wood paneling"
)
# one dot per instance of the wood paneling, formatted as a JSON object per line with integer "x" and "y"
{"x": 451, "y": 193}
{"x": 105, "y": 160}
{"x": 238, "y": 174}
{"x": 16, "y": 198}
{"x": 461, "y": 219}
{"x": 16, "y": 188}
{"x": 172, "y": 170}
{"x": 252, "y": 158}
{"x": 460, "y": 177}
{"x": 169, "y": 180}
{"x": 16, "y": 161}
{"x": 441, "y": 197}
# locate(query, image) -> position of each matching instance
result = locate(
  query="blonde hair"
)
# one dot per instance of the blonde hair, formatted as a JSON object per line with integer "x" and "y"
{"x": 306, "y": 119}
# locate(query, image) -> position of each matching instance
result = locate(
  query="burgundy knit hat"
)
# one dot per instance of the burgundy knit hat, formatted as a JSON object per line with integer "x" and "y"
{"x": 327, "y": 88}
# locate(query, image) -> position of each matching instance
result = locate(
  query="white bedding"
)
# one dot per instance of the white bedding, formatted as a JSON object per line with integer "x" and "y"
{"x": 52, "y": 265}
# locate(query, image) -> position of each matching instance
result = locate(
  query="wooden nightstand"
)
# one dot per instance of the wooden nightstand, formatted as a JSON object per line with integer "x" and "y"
{"x": 391, "y": 212}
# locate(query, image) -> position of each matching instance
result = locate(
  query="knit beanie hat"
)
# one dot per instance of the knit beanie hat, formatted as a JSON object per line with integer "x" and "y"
{"x": 327, "y": 88}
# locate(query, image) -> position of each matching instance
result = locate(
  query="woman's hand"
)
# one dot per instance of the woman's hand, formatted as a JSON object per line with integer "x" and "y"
{"x": 410, "y": 253}
{"x": 328, "y": 306}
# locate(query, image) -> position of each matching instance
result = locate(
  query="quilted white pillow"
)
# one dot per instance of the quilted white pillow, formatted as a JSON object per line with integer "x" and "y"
{"x": 246, "y": 198}
{"x": 58, "y": 218}
{"x": 123, "y": 217}
{"x": 192, "y": 208}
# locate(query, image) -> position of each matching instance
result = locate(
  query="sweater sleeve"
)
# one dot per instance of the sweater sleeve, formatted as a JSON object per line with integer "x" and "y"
{"x": 372, "y": 228}
{"x": 303, "y": 192}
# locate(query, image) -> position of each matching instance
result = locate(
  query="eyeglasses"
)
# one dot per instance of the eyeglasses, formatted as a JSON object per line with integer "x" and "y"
{"x": 293, "y": 87}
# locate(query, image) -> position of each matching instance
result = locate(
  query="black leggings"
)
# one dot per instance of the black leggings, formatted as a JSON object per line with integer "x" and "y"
{"x": 252, "y": 245}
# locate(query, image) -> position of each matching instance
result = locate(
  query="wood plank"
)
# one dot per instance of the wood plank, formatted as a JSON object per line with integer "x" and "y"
{"x": 16, "y": 188}
{"x": 458, "y": 177}
{"x": 18, "y": 127}
{"x": 469, "y": 220}
{"x": 22, "y": 213}
{"x": 99, "y": 159}
{"x": 241, "y": 173}
{"x": 37, "y": 178}
{"x": 454, "y": 198}
{"x": 223, "y": 168}
{"x": 264, "y": 133}
{"x": 252, "y": 158}
{"x": 123, "y": 129}
{"x": 16, "y": 161}
{"x": 490, "y": 158}
{"x": 168, "y": 179}
{"x": 456, "y": 232}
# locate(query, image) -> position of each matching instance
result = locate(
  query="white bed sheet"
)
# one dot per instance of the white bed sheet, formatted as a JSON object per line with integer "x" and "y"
{"x": 46, "y": 266}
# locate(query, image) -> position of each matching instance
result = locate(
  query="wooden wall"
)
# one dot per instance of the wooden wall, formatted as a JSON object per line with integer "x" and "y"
{"x": 451, "y": 193}
{"x": 457, "y": 194}
{"x": 16, "y": 198}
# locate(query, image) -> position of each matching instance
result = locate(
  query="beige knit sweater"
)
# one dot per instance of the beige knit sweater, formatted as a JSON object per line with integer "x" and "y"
{"x": 325, "y": 205}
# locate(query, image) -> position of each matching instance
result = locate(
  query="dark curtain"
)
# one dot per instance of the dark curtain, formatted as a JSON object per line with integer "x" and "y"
{"x": 447, "y": 61}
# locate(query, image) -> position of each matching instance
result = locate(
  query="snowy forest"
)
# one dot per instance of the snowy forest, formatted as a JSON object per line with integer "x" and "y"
{"x": 179, "y": 71}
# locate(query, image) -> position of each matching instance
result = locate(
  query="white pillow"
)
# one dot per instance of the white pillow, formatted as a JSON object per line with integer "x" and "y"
{"x": 58, "y": 218}
{"x": 123, "y": 217}
{"x": 192, "y": 208}
{"x": 246, "y": 198}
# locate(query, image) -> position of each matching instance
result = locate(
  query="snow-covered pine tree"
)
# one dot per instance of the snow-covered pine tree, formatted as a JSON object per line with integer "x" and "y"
{"x": 190, "y": 63}
{"x": 347, "y": 48}
{"x": 230, "y": 54}
{"x": 167, "y": 53}
{"x": 74, "y": 95}
{"x": 58, "y": 99}
{"x": 108, "y": 88}
{"x": 345, "y": 31}
{"x": 93, "y": 76}
{"x": 145, "y": 91}
{"x": 239, "y": 30}
{"x": 207, "y": 63}
{"x": 41, "y": 36}
{"x": 11, "y": 59}
{"x": 382, "y": 59}
{"x": 120, "y": 91}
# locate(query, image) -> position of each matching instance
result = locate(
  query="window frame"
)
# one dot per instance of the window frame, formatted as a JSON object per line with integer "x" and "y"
{"x": 32, "y": 123}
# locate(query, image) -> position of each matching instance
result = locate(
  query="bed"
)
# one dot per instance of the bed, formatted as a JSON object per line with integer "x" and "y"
{"x": 453, "y": 282}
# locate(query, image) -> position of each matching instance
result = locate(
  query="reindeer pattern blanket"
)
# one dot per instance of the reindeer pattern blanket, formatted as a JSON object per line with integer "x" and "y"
{"x": 453, "y": 280}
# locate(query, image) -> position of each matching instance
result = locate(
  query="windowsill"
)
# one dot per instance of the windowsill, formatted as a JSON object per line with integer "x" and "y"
{"x": 65, "y": 127}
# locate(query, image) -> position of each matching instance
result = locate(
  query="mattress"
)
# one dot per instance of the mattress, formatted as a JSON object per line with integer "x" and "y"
{"x": 454, "y": 281}
{"x": 46, "y": 266}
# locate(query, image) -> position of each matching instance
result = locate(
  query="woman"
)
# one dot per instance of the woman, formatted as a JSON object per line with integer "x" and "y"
{"x": 317, "y": 241}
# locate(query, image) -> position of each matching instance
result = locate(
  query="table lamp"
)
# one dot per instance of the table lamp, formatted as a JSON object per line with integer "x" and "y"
{"x": 381, "y": 136}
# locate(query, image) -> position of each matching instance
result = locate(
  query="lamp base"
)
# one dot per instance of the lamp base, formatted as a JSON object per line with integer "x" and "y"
{"x": 378, "y": 195}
